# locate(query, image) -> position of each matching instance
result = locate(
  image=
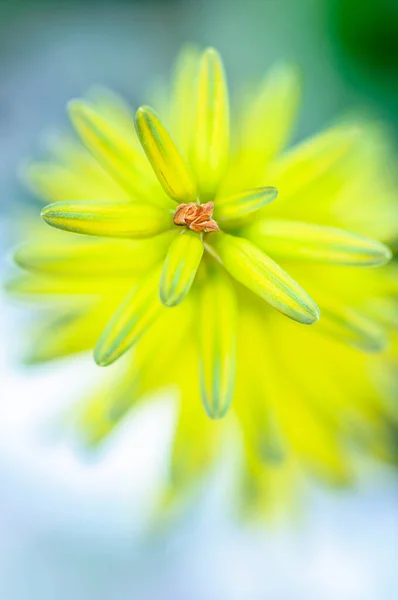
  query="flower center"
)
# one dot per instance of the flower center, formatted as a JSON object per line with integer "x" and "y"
{"x": 197, "y": 217}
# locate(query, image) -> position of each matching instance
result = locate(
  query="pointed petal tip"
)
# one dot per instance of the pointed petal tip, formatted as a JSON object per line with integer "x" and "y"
{"x": 383, "y": 255}
{"x": 314, "y": 314}
{"x": 47, "y": 213}
{"x": 103, "y": 360}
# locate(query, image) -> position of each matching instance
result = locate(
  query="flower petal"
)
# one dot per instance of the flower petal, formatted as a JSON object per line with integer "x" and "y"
{"x": 169, "y": 165}
{"x": 293, "y": 240}
{"x": 110, "y": 219}
{"x": 238, "y": 209}
{"x": 113, "y": 148}
{"x": 57, "y": 183}
{"x": 211, "y": 138}
{"x": 137, "y": 312}
{"x": 351, "y": 327}
{"x": 182, "y": 97}
{"x": 179, "y": 270}
{"x": 267, "y": 122}
{"x": 66, "y": 333}
{"x": 260, "y": 274}
{"x": 312, "y": 158}
{"x": 217, "y": 339}
{"x": 92, "y": 258}
{"x": 27, "y": 284}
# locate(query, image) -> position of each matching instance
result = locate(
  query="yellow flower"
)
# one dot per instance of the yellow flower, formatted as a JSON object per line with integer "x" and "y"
{"x": 197, "y": 240}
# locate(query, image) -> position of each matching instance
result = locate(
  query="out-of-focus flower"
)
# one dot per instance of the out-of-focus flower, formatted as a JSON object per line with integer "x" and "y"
{"x": 194, "y": 246}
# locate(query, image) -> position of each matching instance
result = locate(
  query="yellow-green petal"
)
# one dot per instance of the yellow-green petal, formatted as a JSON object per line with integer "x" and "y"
{"x": 351, "y": 327}
{"x": 179, "y": 269}
{"x": 217, "y": 344}
{"x": 138, "y": 311}
{"x": 260, "y": 274}
{"x": 268, "y": 120}
{"x": 65, "y": 333}
{"x": 169, "y": 165}
{"x": 294, "y": 240}
{"x": 241, "y": 208}
{"x": 113, "y": 148}
{"x": 28, "y": 284}
{"x": 211, "y": 136}
{"x": 57, "y": 183}
{"x": 182, "y": 97}
{"x": 110, "y": 219}
{"x": 311, "y": 158}
{"x": 92, "y": 258}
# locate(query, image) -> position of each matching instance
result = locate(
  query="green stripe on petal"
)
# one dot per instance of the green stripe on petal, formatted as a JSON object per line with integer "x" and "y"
{"x": 110, "y": 219}
{"x": 293, "y": 240}
{"x": 312, "y": 158}
{"x": 240, "y": 208}
{"x": 260, "y": 274}
{"x": 351, "y": 327}
{"x": 113, "y": 148}
{"x": 169, "y": 165}
{"x": 217, "y": 337}
{"x": 179, "y": 270}
{"x": 137, "y": 312}
{"x": 211, "y": 137}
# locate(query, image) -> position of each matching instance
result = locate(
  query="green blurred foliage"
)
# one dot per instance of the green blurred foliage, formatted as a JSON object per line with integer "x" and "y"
{"x": 368, "y": 33}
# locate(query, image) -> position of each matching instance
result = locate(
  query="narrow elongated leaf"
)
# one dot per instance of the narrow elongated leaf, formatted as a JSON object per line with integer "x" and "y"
{"x": 351, "y": 327}
{"x": 311, "y": 158}
{"x": 169, "y": 165}
{"x": 179, "y": 270}
{"x": 110, "y": 219}
{"x": 211, "y": 137}
{"x": 113, "y": 148}
{"x": 241, "y": 208}
{"x": 137, "y": 312}
{"x": 217, "y": 338}
{"x": 260, "y": 274}
{"x": 293, "y": 240}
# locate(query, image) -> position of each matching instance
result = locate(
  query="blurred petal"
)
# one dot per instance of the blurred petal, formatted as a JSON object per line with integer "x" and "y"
{"x": 137, "y": 312}
{"x": 312, "y": 158}
{"x": 56, "y": 183}
{"x": 110, "y": 219}
{"x": 294, "y": 240}
{"x": 255, "y": 270}
{"x": 217, "y": 344}
{"x": 179, "y": 270}
{"x": 167, "y": 162}
{"x": 113, "y": 148}
{"x": 92, "y": 258}
{"x": 183, "y": 94}
{"x": 65, "y": 334}
{"x": 27, "y": 284}
{"x": 241, "y": 208}
{"x": 351, "y": 327}
{"x": 211, "y": 142}
{"x": 268, "y": 120}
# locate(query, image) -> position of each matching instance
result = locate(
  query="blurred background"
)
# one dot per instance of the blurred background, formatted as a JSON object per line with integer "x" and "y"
{"x": 78, "y": 527}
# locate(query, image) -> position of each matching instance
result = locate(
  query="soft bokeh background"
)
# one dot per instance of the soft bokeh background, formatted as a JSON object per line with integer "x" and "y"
{"x": 73, "y": 526}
